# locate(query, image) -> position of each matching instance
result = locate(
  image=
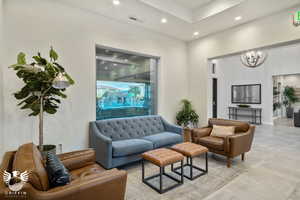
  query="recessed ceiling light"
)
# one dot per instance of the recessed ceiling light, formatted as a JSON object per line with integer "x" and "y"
{"x": 116, "y": 2}
{"x": 238, "y": 18}
{"x": 196, "y": 33}
{"x": 163, "y": 20}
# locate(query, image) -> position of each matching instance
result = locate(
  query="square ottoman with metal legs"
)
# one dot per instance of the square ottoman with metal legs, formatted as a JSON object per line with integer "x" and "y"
{"x": 162, "y": 158}
{"x": 191, "y": 150}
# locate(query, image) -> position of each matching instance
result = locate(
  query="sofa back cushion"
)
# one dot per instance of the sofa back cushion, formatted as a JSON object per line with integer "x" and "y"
{"x": 239, "y": 126}
{"x": 28, "y": 158}
{"x": 133, "y": 127}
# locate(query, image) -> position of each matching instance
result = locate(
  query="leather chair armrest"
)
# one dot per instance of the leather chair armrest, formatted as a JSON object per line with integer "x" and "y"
{"x": 241, "y": 143}
{"x": 110, "y": 184}
{"x": 200, "y": 132}
{"x": 78, "y": 159}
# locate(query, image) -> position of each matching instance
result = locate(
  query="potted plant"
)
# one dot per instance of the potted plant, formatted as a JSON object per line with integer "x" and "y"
{"x": 289, "y": 99}
{"x": 45, "y": 83}
{"x": 187, "y": 117}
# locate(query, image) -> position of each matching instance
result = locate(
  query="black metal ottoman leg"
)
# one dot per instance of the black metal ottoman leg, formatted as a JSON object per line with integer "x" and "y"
{"x": 206, "y": 163}
{"x": 182, "y": 172}
{"x": 160, "y": 179}
{"x": 143, "y": 170}
{"x": 191, "y": 167}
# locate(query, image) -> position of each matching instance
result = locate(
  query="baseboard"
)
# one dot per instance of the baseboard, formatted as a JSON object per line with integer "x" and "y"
{"x": 268, "y": 123}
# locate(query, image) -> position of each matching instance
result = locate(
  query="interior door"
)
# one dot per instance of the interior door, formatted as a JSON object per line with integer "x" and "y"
{"x": 215, "y": 98}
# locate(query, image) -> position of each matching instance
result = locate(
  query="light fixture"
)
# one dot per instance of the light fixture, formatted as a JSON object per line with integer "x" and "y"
{"x": 196, "y": 33}
{"x": 60, "y": 82}
{"x": 163, "y": 20}
{"x": 238, "y": 18}
{"x": 116, "y": 2}
{"x": 253, "y": 59}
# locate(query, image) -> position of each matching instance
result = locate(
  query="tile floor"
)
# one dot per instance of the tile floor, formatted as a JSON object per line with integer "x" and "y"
{"x": 271, "y": 172}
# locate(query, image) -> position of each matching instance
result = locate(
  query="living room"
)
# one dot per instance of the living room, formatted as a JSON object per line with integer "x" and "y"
{"x": 177, "y": 44}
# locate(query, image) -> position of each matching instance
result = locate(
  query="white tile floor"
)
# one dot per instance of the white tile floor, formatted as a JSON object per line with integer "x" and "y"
{"x": 271, "y": 172}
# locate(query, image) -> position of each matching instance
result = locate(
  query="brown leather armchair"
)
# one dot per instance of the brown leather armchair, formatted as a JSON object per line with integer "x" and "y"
{"x": 88, "y": 179}
{"x": 231, "y": 146}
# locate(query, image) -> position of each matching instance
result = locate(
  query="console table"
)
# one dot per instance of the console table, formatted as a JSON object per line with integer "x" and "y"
{"x": 253, "y": 114}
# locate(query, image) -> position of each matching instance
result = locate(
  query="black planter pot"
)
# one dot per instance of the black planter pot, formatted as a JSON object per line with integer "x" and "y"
{"x": 48, "y": 148}
{"x": 289, "y": 112}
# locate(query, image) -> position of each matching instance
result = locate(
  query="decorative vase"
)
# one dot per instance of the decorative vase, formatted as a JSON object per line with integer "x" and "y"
{"x": 48, "y": 148}
{"x": 187, "y": 135}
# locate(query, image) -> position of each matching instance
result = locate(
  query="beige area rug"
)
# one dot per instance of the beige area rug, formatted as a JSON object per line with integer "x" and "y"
{"x": 218, "y": 176}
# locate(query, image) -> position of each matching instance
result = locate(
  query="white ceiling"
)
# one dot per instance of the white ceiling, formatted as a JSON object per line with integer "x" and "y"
{"x": 185, "y": 16}
{"x": 192, "y": 4}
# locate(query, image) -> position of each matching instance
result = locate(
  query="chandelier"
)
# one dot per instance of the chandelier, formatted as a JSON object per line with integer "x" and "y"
{"x": 253, "y": 59}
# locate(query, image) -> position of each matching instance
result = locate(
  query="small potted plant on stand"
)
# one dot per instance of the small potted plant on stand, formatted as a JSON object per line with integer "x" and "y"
{"x": 289, "y": 99}
{"x": 188, "y": 118}
{"x": 45, "y": 81}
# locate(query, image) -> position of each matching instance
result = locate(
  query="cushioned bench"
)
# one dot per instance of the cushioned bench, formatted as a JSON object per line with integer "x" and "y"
{"x": 123, "y": 140}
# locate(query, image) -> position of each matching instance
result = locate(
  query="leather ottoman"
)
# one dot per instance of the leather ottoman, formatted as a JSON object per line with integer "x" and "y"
{"x": 162, "y": 158}
{"x": 191, "y": 150}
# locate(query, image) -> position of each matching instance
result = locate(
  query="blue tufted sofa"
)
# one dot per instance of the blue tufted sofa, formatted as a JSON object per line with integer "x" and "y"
{"x": 121, "y": 141}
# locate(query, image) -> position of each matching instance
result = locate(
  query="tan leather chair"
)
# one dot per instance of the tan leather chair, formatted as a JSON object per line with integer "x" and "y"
{"x": 88, "y": 179}
{"x": 231, "y": 146}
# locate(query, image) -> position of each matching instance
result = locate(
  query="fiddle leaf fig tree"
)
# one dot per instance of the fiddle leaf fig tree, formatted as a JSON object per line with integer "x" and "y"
{"x": 45, "y": 82}
{"x": 187, "y": 115}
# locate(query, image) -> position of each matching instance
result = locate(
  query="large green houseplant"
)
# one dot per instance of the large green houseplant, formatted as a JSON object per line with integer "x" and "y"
{"x": 44, "y": 84}
{"x": 289, "y": 99}
{"x": 187, "y": 116}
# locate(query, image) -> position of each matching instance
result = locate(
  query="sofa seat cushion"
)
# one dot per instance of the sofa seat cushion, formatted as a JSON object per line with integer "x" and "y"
{"x": 85, "y": 171}
{"x": 164, "y": 139}
{"x": 212, "y": 142}
{"x": 129, "y": 147}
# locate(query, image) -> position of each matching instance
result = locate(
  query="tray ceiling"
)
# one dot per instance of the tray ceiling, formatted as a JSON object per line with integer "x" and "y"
{"x": 184, "y": 17}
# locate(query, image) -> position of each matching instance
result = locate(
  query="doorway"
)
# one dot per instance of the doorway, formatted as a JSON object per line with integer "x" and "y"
{"x": 215, "y": 98}
{"x": 286, "y": 100}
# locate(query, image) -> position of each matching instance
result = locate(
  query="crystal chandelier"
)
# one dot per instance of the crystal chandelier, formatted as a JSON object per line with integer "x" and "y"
{"x": 253, "y": 59}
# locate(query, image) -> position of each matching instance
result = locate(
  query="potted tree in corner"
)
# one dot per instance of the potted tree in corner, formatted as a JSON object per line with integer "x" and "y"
{"x": 289, "y": 99}
{"x": 45, "y": 83}
{"x": 187, "y": 118}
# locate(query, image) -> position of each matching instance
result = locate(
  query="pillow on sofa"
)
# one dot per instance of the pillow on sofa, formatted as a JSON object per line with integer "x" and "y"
{"x": 57, "y": 173}
{"x": 222, "y": 131}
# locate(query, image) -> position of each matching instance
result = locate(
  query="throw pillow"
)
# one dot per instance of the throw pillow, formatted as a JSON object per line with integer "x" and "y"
{"x": 222, "y": 131}
{"x": 57, "y": 173}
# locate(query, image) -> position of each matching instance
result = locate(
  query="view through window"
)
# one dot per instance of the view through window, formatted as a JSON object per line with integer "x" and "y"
{"x": 126, "y": 84}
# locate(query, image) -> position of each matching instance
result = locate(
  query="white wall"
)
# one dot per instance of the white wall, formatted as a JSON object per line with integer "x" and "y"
{"x": 267, "y": 31}
{"x": 34, "y": 25}
{"x": 1, "y": 81}
{"x": 230, "y": 71}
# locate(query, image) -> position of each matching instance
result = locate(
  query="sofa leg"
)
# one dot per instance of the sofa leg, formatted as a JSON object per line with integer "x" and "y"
{"x": 243, "y": 157}
{"x": 228, "y": 162}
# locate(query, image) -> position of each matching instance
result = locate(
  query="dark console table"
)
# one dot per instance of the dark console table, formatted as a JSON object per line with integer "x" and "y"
{"x": 252, "y": 114}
